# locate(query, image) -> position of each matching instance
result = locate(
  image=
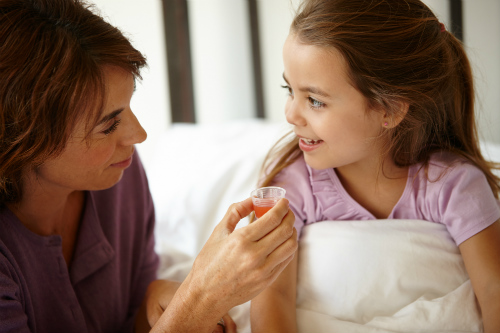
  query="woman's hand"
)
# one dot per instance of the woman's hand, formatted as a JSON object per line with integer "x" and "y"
{"x": 227, "y": 325}
{"x": 233, "y": 267}
{"x": 158, "y": 296}
{"x": 236, "y": 265}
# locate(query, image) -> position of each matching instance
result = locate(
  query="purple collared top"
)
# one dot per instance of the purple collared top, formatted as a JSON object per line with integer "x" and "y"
{"x": 456, "y": 193}
{"x": 112, "y": 265}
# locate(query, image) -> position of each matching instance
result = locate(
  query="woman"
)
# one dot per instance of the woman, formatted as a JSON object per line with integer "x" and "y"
{"x": 76, "y": 216}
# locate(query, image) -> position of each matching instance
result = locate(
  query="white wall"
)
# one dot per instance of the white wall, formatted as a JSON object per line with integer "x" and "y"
{"x": 142, "y": 22}
{"x": 275, "y": 18}
{"x": 221, "y": 59}
{"x": 440, "y": 9}
{"x": 482, "y": 43}
{"x": 222, "y": 62}
{"x": 482, "y": 37}
{"x": 220, "y": 44}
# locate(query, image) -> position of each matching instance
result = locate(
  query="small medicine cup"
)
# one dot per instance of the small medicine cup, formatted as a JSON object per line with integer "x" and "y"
{"x": 265, "y": 198}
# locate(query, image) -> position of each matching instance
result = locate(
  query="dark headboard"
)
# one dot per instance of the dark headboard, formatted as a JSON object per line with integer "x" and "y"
{"x": 176, "y": 23}
{"x": 179, "y": 64}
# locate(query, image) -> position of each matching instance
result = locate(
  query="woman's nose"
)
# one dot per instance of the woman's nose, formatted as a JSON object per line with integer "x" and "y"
{"x": 133, "y": 132}
{"x": 293, "y": 114}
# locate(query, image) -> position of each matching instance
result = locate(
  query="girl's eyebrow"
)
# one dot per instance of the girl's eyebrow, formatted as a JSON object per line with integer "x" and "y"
{"x": 110, "y": 116}
{"x": 313, "y": 90}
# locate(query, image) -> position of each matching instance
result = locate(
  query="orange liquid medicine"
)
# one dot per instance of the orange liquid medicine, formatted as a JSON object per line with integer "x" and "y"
{"x": 259, "y": 211}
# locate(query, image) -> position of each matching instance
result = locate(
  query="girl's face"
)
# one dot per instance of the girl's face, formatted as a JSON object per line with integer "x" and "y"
{"x": 331, "y": 117}
{"x": 98, "y": 164}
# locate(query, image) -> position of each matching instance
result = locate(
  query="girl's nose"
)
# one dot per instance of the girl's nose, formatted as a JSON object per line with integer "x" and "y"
{"x": 293, "y": 114}
{"x": 133, "y": 132}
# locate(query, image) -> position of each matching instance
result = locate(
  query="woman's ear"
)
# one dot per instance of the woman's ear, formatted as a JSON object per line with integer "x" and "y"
{"x": 397, "y": 114}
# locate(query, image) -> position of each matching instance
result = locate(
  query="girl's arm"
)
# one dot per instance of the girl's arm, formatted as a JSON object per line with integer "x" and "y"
{"x": 273, "y": 310}
{"x": 481, "y": 254}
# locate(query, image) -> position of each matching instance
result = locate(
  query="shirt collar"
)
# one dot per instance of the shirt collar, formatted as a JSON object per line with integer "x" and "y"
{"x": 93, "y": 249}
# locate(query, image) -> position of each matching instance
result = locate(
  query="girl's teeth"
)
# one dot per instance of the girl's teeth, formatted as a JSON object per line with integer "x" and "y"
{"x": 310, "y": 142}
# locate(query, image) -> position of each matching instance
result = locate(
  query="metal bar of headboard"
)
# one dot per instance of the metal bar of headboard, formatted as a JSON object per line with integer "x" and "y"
{"x": 176, "y": 23}
{"x": 256, "y": 58}
{"x": 456, "y": 16}
{"x": 180, "y": 75}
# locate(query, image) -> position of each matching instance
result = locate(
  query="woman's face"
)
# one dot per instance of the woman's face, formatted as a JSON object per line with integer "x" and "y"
{"x": 99, "y": 163}
{"x": 328, "y": 114}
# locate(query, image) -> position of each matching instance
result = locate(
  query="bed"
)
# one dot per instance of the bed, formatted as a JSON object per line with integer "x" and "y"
{"x": 354, "y": 276}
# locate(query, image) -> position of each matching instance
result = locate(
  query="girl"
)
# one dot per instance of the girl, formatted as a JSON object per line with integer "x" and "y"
{"x": 381, "y": 101}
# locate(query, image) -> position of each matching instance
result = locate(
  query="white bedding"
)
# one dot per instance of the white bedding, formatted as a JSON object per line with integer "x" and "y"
{"x": 374, "y": 276}
{"x": 363, "y": 276}
{"x": 383, "y": 276}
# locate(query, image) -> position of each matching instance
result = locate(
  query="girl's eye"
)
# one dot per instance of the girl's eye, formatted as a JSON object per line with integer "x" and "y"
{"x": 112, "y": 128}
{"x": 315, "y": 104}
{"x": 290, "y": 91}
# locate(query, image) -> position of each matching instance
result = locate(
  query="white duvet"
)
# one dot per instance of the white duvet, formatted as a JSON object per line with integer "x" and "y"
{"x": 383, "y": 276}
{"x": 360, "y": 276}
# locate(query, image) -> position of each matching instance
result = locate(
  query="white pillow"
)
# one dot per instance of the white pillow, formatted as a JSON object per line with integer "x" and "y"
{"x": 383, "y": 275}
{"x": 199, "y": 171}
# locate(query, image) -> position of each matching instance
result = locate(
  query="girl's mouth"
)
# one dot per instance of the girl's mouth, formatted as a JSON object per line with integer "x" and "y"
{"x": 308, "y": 145}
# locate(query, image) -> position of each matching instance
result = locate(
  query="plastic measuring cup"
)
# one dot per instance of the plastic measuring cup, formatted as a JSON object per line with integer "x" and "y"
{"x": 265, "y": 198}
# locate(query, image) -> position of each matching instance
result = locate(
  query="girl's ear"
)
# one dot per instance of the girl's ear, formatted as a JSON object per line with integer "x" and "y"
{"x": 391, "y": 120}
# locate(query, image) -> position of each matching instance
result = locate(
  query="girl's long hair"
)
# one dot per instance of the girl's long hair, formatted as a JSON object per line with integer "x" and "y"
{"x": 52, "y": 59}
{"x": 397, "y": 53}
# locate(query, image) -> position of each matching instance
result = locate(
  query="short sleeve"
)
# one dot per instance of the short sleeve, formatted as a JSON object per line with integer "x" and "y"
{"x": 466, "y": 203}
{"x": 296, "y": 181}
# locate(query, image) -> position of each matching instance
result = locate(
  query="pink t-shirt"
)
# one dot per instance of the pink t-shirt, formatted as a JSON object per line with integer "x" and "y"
{"x": 461, "y": 198}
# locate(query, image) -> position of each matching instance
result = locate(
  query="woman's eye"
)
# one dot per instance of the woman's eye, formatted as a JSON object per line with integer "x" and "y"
{"x": 289, "y": 90}
{"x": 315, "y": 104}
{"x": 112, "y": 128}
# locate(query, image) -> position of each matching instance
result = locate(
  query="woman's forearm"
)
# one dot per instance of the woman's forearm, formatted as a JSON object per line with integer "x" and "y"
{"x": 190, "y": 310}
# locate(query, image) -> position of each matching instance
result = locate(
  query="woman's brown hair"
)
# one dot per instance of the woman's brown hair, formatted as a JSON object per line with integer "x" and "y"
{"x": 397, "y": 53}
{"x": 52, "y": 56}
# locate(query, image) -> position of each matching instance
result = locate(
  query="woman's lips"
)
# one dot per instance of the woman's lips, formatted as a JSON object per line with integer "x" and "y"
{"x": 123, "y": 164}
